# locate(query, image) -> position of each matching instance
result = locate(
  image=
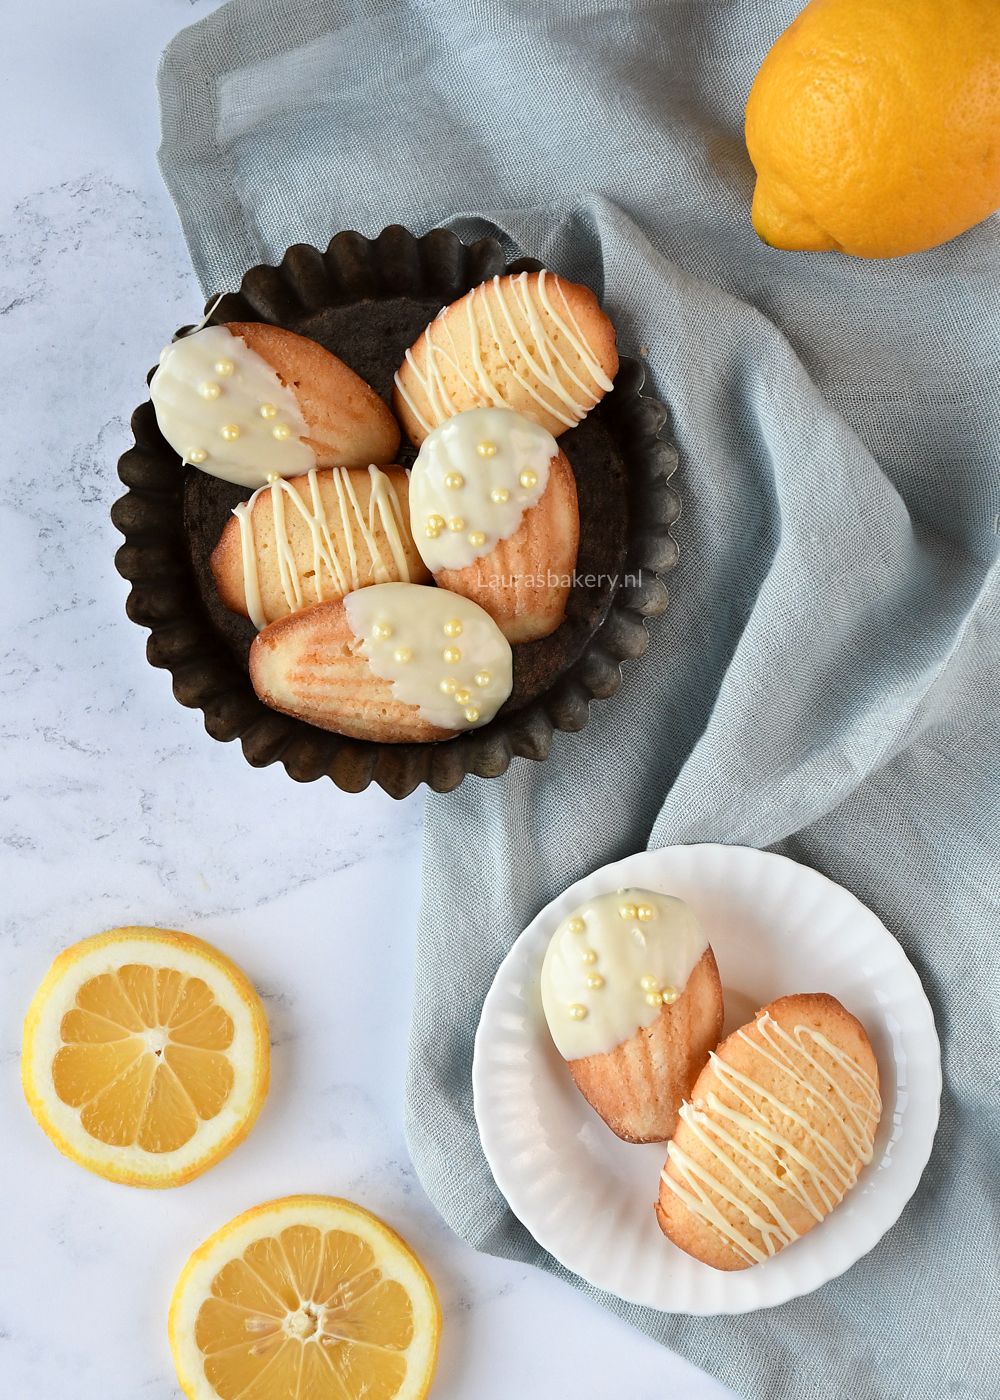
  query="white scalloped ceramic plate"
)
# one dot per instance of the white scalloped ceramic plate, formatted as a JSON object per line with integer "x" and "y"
{"x": 776, "y": 928}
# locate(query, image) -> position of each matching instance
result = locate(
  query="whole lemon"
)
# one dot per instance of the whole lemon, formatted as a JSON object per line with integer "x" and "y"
{"x": 874, "y": 126}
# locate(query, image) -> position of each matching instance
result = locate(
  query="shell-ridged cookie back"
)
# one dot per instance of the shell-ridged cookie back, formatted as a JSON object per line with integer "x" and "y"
{"x": 780, "y": 1123}
{"x": 638, "y": 1087}
{"x": 349, "y": 425}
{"x": 525, "y": 581}
{"x": 311, "y": 665}
{"x": 314, "y": 538}
{"x": 531, "y": 342}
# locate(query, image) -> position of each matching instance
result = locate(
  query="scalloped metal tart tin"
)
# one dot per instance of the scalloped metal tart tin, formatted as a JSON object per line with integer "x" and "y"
{"x": 367, "y": 300}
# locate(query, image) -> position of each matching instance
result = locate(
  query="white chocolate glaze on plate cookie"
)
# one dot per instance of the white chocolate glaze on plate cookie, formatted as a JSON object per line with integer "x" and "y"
{"x": 336, "y": 553}
{"x": 473, "y": 480}
{"x": 612, "y": 964}
{"x": 780, "y": 1124}
{"x": 442, "y": 653}
{"x": 223, "y": 408}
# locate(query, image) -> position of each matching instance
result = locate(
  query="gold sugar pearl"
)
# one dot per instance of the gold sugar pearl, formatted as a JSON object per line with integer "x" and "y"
{"x": 528, "y": 479}
{"x": 452, "y": 628}
{"x": 577, "y": 1012}
{"x": 649, "y": 984}
{"x": 669, "y": 995}
{"x": 210, "y": 390}
{"x": 382, "y": 630}
{"x": 403, "y": 655}
{"x": 471, "y": 714}
{"x": 281, "y": 431}
{"x": 645, "y": 912}
{"x": 653, "y": 999}
{"x": 487, "y": 449}
{"x": 477, "y": 538}
{"x": 225, "y": 368}
{"x": 454, "y": 481}
{"x": 595, "y": 981}
{"x": 499, "y": 495}
{"x": 576, "y": 924}
{"x": 230, "y": 431}
{"x": 268, "y": 410}
{"x": 627, "y": 911}
{"x": 197, "y": 455}
{"x": 482, "y": 679}
{"x": 447, "y": 686}
{"x": 451, "y": 655}
{"x": 456, "y": 523}
{"x": 462, "y": 697}
{"x": 272, "y": 477}
{"x": 588, "y": 956}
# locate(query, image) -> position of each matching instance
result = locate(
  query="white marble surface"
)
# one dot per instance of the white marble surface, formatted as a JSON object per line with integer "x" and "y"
{"x": 117, "y": 808}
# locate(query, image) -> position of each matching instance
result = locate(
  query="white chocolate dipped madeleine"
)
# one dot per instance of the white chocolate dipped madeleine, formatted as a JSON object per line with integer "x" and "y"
{"x": 633, "y": 1001}
{"x": 779, "y": 1125}
{"x": 495, "y": 517}
{"x": 315, "y": 538}
{"x": 530, "y": 341}
{"x": 396, "y": 663}
{"x": 248, "y": 402}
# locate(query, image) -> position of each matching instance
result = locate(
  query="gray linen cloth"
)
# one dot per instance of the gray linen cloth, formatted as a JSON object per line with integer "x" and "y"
{"x": 826, "y": 678}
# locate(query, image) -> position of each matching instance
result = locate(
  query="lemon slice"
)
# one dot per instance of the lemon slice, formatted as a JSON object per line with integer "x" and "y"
{"x": 145, "y": 1055}
{"x": 305, "y": 1298}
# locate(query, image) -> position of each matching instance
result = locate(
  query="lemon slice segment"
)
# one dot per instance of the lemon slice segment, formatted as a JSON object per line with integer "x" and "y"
{"x": 145, "y": 1055}
{"x": 305, "y": 1298}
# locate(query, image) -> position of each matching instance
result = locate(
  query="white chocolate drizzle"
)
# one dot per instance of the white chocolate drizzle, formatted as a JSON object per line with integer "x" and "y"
{"x": 612, "y": 964}
{"x": 474, "y": 478}
{"x": 223, "y": 409}
{"x": 442, "y": 653}
{"x": 548, "y": 378}
{"x": 331, "y": 573}
{"x": 817, "y": 1173}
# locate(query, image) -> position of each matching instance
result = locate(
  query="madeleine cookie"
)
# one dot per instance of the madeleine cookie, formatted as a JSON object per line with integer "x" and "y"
{"x": 247, "y": 402}
{"x": 397, "y": 662}
{"x": 780, "y": 1123}
{"x": 632, "y": 997}
{"x": 315, "y": 538}
{"x": 529, "y": 341}
{"x": 493, "y": 503}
